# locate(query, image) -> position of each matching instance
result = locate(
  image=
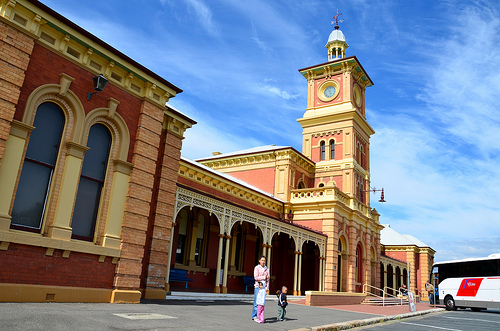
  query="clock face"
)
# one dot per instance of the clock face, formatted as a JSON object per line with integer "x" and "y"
{"x": 329, "y": 91}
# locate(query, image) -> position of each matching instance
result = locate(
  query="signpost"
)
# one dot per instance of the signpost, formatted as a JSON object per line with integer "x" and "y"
{"x": 411, "y": 301}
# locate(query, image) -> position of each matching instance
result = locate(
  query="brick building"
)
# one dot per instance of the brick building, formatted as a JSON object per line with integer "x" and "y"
{"x": 97, "y": 204}
{"x": 78, "y": 176}
{"x": 405, "y": 258}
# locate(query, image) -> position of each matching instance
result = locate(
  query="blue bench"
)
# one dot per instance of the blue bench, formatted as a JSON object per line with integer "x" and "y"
{"x": 248, "y": 281}
{"x": 179, "y": 275}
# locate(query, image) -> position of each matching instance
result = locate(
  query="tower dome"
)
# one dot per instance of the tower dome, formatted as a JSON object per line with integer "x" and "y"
{"x": 336, "y": 44}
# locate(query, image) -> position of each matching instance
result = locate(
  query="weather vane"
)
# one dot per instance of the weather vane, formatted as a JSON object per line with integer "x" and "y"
{"x": 336, "y": 18}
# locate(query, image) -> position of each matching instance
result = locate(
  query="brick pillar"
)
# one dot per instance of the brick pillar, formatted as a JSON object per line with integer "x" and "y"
{"x": 137, "y": 206}
{"x": 332, "y": 242}
{"x": 15, "y": 51}
{"x": 163, "y": 217}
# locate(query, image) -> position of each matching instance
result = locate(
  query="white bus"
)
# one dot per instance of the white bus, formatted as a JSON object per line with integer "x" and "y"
{"x": 476, "y": 293}
{"x": 472, "y": 267}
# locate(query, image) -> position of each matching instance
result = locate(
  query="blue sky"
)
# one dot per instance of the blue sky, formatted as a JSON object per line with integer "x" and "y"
{"x": 436, "y": 72}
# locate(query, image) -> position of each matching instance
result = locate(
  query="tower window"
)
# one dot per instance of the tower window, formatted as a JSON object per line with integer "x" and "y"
{"x": 322, "y": 150}
{"x": 332, "y": 149}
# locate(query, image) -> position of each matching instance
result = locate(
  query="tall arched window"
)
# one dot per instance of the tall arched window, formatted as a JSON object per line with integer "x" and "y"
{"x": 359, "y": 264}
{"x": 322, "y": 150}
{"x": 92, "y": 177}
{"x": 38, "y": 168}
{"x": 181, "y": 239}
{"x": 332, "y": 149}
{"x": 200, "y": 235}
{"x": 339, "y": 267}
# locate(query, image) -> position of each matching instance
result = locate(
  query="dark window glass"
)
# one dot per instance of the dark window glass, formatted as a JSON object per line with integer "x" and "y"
{"x": 322, "y": 149}
{"x": 332, "y": 149}
{"x": 91, "y": 182}
{"x": 38, "y": 167}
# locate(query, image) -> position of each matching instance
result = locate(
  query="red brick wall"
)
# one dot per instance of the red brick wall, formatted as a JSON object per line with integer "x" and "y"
{"x": 23, "y": 264}
{"x": 260, "y": 178}
{"x": 45, "y": 67}
{"x": 401, "y": 256}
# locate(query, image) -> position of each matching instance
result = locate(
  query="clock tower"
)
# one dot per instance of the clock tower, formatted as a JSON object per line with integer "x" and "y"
{"x": 336, "y": 134}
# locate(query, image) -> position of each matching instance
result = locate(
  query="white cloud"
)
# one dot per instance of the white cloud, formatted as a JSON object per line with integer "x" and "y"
{"x": 439, "y": 163}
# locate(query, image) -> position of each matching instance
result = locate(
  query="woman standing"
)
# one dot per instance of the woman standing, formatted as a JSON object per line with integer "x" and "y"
{"x": 260, "y": 273}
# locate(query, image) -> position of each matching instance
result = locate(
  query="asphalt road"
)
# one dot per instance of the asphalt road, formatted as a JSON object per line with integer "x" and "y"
{"x": 460, "y": 320}
{"x": 163, "y": 315}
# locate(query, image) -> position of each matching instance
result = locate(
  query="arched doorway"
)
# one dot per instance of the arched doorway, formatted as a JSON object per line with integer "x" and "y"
{"x": 359, "y": 269}
{"x": 390, "y": 277}
{"x": 310, "y": 267}
{"x": 283, "y": 262}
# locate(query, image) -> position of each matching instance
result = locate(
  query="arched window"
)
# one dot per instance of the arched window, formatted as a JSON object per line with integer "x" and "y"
{"x": 181, "y": 239}
{"x": 339, "y": 267}
{"x": 301, "y": 185}
{"x": 359, "y": 264}
{"x": 199, "y": 239}
{"x": 332, "y": 149}
{"x": 38, "y": 168}
{"x": 322, "y": 150}
{"x": 91, "y": 181}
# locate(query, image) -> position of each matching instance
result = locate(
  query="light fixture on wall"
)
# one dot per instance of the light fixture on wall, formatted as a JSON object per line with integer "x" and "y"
{"x": 374, "y": 190}
{"x": 99, "y": 83}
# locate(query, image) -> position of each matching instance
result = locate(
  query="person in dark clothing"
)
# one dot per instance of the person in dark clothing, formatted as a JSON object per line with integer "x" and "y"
{"x": 282, "y": 303}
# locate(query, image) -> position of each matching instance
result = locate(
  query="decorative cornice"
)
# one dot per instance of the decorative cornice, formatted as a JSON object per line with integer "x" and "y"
{"x": 223, "y": 185}
{"x": 55, "y": 32}
{"x": 260, "y": 159}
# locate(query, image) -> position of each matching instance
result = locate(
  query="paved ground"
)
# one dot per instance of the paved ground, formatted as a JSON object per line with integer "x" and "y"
{"x": 178, "y": 314}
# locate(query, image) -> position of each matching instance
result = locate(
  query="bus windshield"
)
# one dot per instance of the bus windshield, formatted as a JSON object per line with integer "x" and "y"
{"x": 487, "y": 266}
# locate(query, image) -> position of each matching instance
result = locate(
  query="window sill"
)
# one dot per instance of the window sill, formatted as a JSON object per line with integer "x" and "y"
{"x": 33, "y": 239}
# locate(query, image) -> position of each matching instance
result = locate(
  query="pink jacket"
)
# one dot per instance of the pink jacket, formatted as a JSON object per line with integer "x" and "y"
{"x": 261, "y": 273}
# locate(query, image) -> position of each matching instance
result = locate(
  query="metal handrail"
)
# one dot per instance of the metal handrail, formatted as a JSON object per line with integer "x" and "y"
{"x": 372, "y": 294}
{"x": 367, "y": 287}
{"x": 393, "y": 291}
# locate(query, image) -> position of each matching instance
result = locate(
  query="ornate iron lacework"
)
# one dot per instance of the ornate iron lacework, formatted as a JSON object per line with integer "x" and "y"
{"x": 228, "y": 215}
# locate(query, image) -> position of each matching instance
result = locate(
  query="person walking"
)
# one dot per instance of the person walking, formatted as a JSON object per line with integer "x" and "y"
{"x": 260, "y": 273}
{"x": 282, "y": 303}
{"x": 430, "y": 291}
{"x": 261, "y": 302}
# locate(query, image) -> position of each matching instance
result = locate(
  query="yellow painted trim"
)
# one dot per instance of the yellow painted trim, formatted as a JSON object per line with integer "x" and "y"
{"x": 20, "y": 129}
{"x": 116, "y": 209}
{"x": 33, "y": 239}
{"x": 11, "y": 163}
{"x": 123, "y": 296}
{"x": 61, "y": 226}
{"x": 117, "y": 127}
{"x": 155, "y": 294}
{"x": 43, "y": 293}
{"x": 123, "y": 167}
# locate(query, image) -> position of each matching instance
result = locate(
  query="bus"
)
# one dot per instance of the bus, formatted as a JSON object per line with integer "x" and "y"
{"x": 473, "y": 267}
{"x": 476, "y": 293}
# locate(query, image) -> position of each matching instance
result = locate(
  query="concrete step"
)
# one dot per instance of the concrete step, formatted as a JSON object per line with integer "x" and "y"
{"x": 386, "y": 302}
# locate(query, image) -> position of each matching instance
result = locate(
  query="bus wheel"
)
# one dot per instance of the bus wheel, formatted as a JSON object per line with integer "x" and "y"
{"x": 450, "y": 303}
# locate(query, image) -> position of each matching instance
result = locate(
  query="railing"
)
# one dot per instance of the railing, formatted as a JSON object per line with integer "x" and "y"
{"x": 393, "y": 290}
{"x": 369, "y": 289}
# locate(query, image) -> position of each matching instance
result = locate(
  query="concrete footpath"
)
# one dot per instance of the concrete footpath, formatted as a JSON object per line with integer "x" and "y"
{"x": 193, "y": 315}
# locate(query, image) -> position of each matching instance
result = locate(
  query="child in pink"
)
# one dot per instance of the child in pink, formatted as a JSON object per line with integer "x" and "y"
{"x": 261, "y": 301}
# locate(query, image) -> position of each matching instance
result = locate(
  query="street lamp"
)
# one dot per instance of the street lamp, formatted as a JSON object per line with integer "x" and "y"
{"x": 99, "y": 83}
